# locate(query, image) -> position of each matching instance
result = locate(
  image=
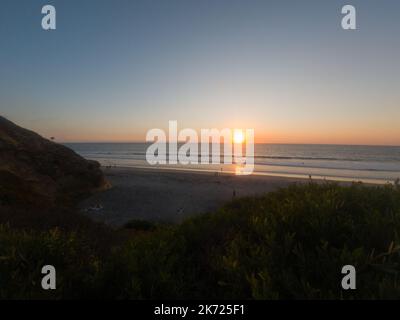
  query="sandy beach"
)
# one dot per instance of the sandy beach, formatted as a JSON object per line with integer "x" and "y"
{"x": 170, "y": 195}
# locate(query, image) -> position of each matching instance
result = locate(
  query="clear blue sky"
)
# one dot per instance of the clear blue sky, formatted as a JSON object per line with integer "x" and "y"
{"x": 114, "y": 69}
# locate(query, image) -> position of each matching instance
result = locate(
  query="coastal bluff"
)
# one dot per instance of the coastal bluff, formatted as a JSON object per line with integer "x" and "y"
{"x": 36, "y": 172}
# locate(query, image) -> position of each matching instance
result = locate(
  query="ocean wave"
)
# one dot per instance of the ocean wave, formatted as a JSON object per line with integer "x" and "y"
{"x": 230, "y": 155}
{"x": 322, "y": 164}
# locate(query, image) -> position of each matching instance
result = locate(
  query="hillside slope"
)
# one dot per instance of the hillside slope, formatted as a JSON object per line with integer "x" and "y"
{"x": 36, "y": 172}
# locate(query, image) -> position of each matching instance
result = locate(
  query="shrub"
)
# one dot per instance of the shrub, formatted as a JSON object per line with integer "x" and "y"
{"x": 139, "y": 225}
{"x": 289, "y": 244}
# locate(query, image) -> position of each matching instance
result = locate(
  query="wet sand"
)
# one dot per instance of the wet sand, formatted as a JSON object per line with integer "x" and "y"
{"x": 169, "y": 195}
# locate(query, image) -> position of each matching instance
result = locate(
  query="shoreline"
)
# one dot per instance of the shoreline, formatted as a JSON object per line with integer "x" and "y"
{"x": 167, "y": 195}
{"x": 304, "y": 176}
{"x": 330, "y": 162}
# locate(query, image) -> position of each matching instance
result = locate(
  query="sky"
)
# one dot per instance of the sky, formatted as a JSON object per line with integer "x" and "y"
{"x": 113, "y": 69}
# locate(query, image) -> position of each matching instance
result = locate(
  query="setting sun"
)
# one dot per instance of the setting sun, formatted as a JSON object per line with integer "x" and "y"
{"x": 238, "y": 136}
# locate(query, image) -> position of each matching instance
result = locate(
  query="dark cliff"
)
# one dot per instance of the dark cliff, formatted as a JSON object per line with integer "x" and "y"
{"x": 36, "y": 172}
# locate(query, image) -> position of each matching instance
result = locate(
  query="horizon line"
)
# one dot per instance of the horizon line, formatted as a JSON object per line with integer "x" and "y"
{"x": 271, "y": 143}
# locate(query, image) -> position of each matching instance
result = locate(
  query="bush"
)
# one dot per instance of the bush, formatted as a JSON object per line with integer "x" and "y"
{"x": 289, "y": 244}
{"x": 23, "y": 254}
{"x": 140, "y": 225}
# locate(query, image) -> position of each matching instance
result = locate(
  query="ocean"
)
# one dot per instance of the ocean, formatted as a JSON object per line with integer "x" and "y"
{"x": 377, "y": 164}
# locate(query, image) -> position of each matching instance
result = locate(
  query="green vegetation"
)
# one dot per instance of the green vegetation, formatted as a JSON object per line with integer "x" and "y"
{"x": 289, "y": 244}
